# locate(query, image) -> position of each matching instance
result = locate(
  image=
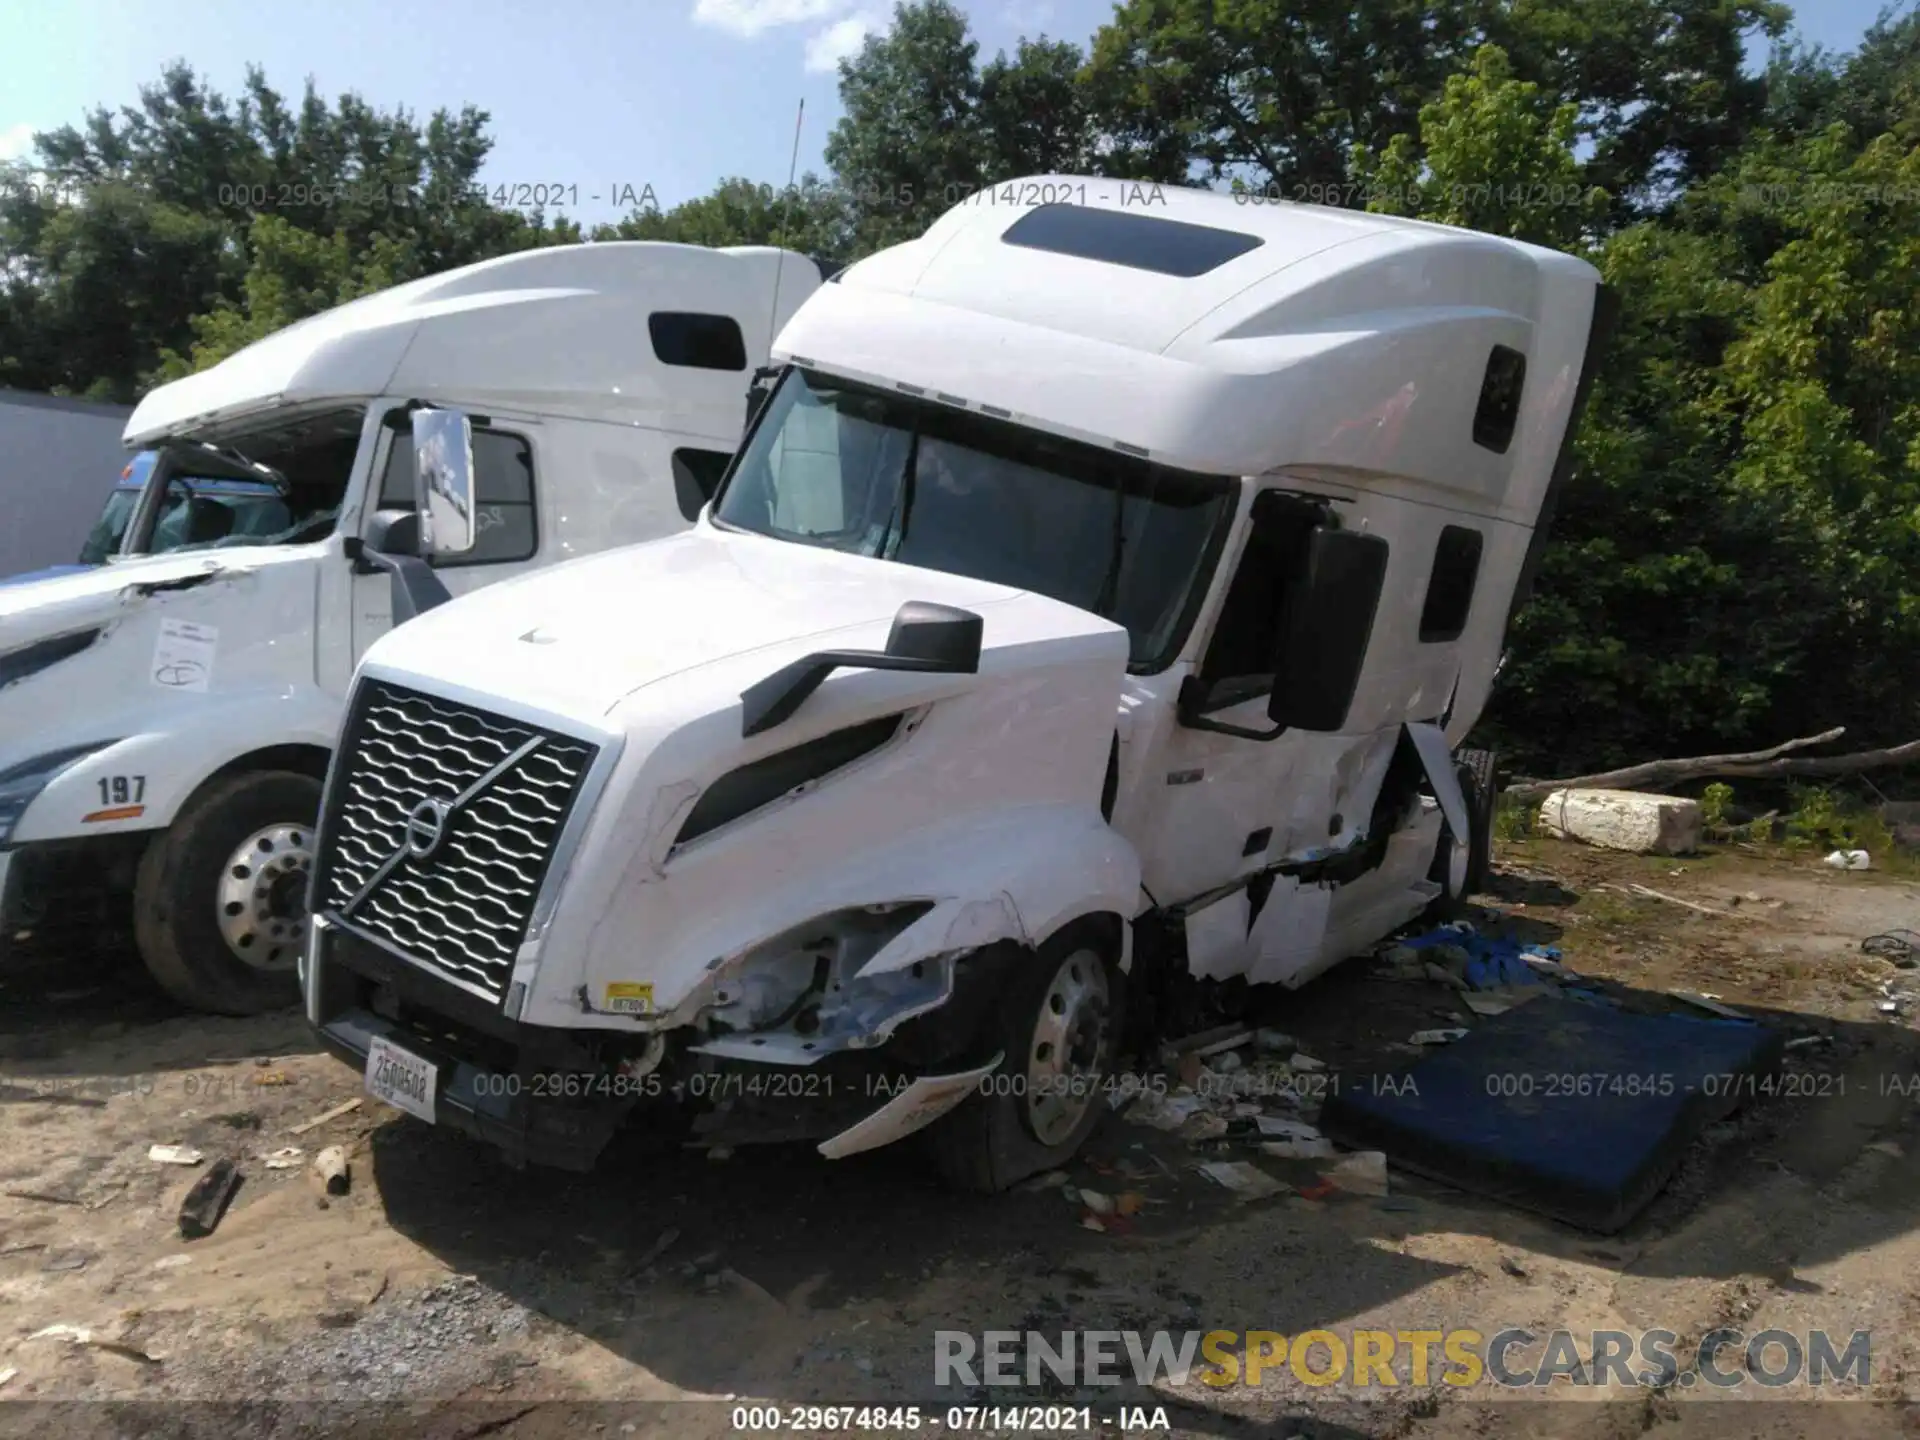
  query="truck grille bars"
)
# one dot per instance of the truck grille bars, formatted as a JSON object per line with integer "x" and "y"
{"x": 439, "y": 826}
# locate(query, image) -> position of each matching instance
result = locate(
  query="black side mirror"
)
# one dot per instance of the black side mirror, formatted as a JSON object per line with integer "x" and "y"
{"x": 926, "y": 638}
{"x": 1329, "y": 621}
{"x": 938, "y": 636}
{"x": 394, "y": 532}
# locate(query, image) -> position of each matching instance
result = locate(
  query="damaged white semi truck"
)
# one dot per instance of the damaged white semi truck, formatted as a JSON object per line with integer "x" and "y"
{"x": 1092, "y": 609}
{"x": 166, "y": 719}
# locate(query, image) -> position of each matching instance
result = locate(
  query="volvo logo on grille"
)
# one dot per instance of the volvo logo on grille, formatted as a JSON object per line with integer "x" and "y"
{"x": 427, "y": 828}
{"x": 424, "y": 830}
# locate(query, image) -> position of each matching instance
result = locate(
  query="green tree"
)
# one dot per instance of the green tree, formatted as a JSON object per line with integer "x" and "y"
{"x": 813, "y": 217}
{"x": 925, "y": 126}
{"x": 125, "y": 229}
{"x": 1498, "y": 157}
{"x": 1279, "y": 93}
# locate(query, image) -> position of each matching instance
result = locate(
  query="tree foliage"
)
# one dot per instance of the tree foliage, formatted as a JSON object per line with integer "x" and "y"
{"x": 1738, "y": 558}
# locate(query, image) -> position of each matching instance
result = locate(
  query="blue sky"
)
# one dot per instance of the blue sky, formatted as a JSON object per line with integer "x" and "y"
{"x": 589, "y": 96}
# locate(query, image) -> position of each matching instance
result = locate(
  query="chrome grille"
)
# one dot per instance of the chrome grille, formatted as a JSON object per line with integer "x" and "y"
{"x": 464, "y": 907}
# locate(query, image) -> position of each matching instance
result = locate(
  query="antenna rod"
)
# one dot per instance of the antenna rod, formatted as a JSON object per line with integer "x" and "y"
{"x": 786, "y": 224}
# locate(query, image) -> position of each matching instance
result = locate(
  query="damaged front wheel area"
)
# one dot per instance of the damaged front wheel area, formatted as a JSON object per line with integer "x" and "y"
{"x": 1057, "y": 1023}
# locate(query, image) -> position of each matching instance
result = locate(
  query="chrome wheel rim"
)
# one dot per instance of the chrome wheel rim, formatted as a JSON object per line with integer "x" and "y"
{"x": 262, "y": 905}
{"x": 1457, "y": 858}
{"x": 1068, "y": 1055}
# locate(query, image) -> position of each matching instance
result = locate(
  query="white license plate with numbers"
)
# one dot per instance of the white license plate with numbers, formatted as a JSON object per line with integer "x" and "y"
{"x": 401, "y": 1078}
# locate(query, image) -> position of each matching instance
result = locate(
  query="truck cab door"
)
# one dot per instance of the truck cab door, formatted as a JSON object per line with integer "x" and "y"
{"x": 509, "y": 535}
{"x": 1254, "y": 764}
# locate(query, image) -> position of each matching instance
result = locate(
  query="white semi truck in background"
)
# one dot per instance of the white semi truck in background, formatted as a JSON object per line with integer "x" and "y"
{"x": 1095, "y": 608}
{"x": 58, "y": 460}
{"x": 166, "y": 718}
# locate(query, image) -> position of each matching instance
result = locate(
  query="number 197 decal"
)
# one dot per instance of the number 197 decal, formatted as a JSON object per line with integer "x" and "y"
{"x": 123, "y": 789}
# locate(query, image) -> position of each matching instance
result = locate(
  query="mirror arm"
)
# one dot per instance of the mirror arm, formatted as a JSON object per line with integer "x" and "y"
{"x": 766, "y": 703}
{"x": 415, "y": 585}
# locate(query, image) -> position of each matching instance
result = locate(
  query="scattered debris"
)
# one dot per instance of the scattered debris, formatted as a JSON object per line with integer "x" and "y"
{"x": 1436, "y": 1037}
{"x": 7, "y": 1374}
{"x": 1205, "y": 1127}
{"x": 1091, "y": 1200}
{"x": 1278, "y": 1127}
{"x": 1303, "y": 1061}
{"x": 1709, "y": 1003}
{"x": 659, "y": 1247}
{"x": 1803, "y": 1042}
{"x": 43, "y": 1197}
{"x": 1902, "y": 947}
{"x": 1319, "y": 1149}
{"x": 285, "y": 1159}
{"x": 1166, "y": 1112}
{"x": 1274, "y": 1042}
{"x": 1513, "y": 1267}
{"x": 1249, "y": 1182}
{"x": 172, "y": 1262}
{"x": 1492, "y": 1003}
{"x": 174, "y": 1155}
{"x": 1650, "y": 893}
{"x": 207, "y": 1201}
{"x": 81, "y": 1335}
{"x": 22, "y": 1246}
{"x": 344, "y": 1107}
{"x": 1207, "y": 1043}
{"x": 1849, "y": 860}
{"x": 68, "y": 1260}
{"x": 1046, "y": 1182}
{"x": 1362, "y": 1173}
{"x": 273, "y": 1077}
{"x": 331, "y": 1172}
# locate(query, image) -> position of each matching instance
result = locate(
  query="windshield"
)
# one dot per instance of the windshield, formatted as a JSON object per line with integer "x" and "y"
{"x": 850, "y": 468}
{"x": 208, "y": 505}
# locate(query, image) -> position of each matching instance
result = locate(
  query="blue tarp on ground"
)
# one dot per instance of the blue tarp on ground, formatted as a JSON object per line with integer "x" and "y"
{"x": 1493, "y": 961}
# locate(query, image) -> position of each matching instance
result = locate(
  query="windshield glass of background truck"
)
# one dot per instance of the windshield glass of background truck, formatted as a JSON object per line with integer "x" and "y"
{"x": 314, "y": 454}
{"x": 859, "y": 470}
{"x": 110, "y": 529}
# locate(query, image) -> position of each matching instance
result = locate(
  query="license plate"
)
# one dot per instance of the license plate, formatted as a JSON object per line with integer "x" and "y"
{"x": 401, "y": 1078}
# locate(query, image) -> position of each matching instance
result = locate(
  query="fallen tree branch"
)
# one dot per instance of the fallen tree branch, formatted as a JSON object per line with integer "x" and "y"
{"x": 1754, "y": 762}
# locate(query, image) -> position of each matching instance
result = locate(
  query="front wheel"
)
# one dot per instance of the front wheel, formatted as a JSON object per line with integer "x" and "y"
{"x": 1058, "y": 1024}
{"x": 1462, "y": 863}
{"x": 220, "y": 902}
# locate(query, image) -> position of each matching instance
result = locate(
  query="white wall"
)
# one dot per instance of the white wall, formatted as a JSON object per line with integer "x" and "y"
{"x": 59, "y": 459}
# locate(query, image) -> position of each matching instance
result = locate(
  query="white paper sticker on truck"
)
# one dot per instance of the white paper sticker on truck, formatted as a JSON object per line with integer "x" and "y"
{"x": 183, "y": 655}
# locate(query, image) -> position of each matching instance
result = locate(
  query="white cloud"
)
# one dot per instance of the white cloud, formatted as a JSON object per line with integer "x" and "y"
{"x": 750, "y": 17}
{"x": 16, "y": 142}
{"x": 840, "y": 41}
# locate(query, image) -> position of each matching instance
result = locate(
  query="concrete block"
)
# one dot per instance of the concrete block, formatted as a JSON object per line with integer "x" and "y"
{"x": 1623, "y": 820}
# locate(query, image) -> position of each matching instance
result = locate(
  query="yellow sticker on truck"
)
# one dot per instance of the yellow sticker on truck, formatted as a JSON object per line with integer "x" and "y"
{"x": 625, "y": 997}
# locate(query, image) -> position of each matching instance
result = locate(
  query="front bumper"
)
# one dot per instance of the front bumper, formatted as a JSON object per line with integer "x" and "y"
{"x": 353, "y": 991}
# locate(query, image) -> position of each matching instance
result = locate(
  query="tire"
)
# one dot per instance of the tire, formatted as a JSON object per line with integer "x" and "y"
{"x": 1483, "y": 802}
{"x": 187, "y": 895}
{"x": 1461, "y": 865}
{"x": 992, "y": 1140}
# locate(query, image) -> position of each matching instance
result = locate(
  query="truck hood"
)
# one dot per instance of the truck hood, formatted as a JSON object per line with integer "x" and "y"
{"x": 583, "y": 637}
{"x": 28, "y": 611}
